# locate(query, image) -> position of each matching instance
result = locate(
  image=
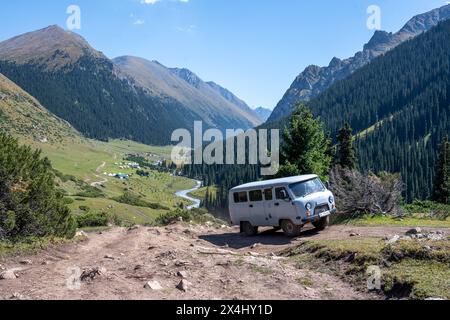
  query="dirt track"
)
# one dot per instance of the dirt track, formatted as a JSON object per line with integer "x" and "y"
{"x": 218, "y": 264}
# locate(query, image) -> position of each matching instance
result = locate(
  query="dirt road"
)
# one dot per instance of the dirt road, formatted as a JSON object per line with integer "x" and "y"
{"x": 217, "y": 263}
{"x": 97, "y": 175}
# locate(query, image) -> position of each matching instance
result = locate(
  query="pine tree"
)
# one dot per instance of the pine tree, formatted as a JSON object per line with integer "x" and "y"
{"x": 30, "y": 204}
{"x": 305, "y": 146}
{"x": 346, "y": 155}
{"x": 441, "y": 191}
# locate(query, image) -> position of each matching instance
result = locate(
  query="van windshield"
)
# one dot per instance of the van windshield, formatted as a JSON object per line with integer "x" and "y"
{"x": 302, "y": 189}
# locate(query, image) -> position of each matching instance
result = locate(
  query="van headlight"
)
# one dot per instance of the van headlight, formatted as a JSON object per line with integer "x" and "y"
{"x": 331, "y": 199}
{"x": 308, "y": 206}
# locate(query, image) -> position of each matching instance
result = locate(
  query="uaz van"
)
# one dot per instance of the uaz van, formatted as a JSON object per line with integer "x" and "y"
{"x": 288, "y": 204}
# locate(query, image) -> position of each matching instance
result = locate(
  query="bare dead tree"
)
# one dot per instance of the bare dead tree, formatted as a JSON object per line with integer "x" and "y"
{"x": 359, "y": 194}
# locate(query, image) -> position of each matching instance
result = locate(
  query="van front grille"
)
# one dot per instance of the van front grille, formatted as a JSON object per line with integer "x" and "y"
{"x": 321, "y": 208}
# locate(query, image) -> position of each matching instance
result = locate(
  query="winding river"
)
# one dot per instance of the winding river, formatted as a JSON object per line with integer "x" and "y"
{"x": 185, "y": 195}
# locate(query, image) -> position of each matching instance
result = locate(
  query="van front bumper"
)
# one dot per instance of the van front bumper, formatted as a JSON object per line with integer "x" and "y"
{"x": 318, "y": 217}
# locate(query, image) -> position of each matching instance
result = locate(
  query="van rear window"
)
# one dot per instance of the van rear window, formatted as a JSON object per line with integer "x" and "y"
{"x": 240, "y": 197}
{"x": 256, "y": 195}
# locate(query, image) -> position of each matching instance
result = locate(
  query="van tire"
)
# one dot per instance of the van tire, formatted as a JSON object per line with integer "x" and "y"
{"x": 290, "y": 229}
{"x": 248, "y": 229}
{"x": 322, "y": 224}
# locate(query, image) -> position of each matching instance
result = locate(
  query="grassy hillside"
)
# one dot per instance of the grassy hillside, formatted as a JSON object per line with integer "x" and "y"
{"x": 22, "y": 115}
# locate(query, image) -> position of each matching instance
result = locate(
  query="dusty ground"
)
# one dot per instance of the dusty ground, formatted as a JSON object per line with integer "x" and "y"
{"x": 218, "y": 263}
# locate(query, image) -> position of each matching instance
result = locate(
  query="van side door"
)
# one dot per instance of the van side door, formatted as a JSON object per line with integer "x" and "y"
{"x": 283, "y": 205}
{"x": 270, "y": 208}
{"x": 256, "y": 208}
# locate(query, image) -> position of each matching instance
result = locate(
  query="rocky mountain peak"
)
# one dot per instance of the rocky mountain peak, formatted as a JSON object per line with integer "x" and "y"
{"x": 51, "y": 46}
{"x": 314, "y": 80}
{"x": 188, "y": 76}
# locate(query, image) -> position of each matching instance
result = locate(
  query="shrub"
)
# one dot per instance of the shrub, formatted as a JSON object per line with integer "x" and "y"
{"x": 29, "y": 202}
{"x": 133, "y": 200}
{"x": 92, "y": 219}
{"x": 358, "y": 194}
{"x": 68, "y": 201}
{"x": 194, "y": 215}
{"x": 90, "y": 192}
{"x": 431, "y": 209}
{"x": 172, "y": 216}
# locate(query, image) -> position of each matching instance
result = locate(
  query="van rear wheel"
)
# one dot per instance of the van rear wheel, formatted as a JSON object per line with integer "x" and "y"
{"x": 248, "y": 229}
{"x": 290, "y": 229}
{"x": 322, "y": 224}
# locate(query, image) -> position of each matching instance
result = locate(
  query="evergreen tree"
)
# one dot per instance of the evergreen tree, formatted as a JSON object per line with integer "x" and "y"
{"x": 346, "y": 155}
{"x": 30, "y": 205}
{"x": 305, "y": 147}
{"x": 441, "y": 191}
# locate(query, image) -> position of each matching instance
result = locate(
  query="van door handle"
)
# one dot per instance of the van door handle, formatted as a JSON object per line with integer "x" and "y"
{"x": 251, "y": 206}
{"x": 277, "y": 204}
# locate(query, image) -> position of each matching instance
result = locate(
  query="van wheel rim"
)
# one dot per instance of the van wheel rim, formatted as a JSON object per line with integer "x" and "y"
{"x": 290, "y": 227}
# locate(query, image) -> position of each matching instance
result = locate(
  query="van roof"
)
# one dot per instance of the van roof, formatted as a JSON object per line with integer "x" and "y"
{"x": 269, "y": 183}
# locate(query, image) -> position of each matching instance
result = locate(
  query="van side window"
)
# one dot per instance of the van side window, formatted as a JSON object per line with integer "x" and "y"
{"x": 256, "y": 195}
{"x": 240, "y": 197}
{"x": 281, "y": 193}
{"x": 268, "y": 194}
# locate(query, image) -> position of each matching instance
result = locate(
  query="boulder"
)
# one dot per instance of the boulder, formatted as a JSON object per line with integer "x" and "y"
{"x": 394, "y": 239}
{"x": 182, "y": 274}
{"x": 8, "y": 275}
{"x": 183, "y": 285}
{"x": 153, "y": 285}
{"x": 414, "y": 231}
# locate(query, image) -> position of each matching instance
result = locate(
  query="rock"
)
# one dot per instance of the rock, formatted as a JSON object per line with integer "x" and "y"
{"x": 109, "y": 257}
{"x": 26, "y": 262}
{"x": 351, "y": 257}
{"x": 254, "y": 246}
{"x": 353, "y": 234}
{"x": 8, "y": 275}
{"x": 138, "y": 267}
{"x": 133, "y": 228}
{"x": 414, "y": 231}
{"x": 435, "y": 236}
{"x": 182, "y": 274}
{"x": 80, "y": 234}
{"x": 90, "y": 274}
{"x": 183, "y": 285}
{"x": 386, "y": 263}
{"x": 180, "y": 263}
{"x": 17, "y": 296}
{"x": 153, "y": 285}
{"x": 394, "y": 239}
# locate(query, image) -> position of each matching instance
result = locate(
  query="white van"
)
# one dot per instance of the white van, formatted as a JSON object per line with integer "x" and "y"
{"x": 288, "y": 204}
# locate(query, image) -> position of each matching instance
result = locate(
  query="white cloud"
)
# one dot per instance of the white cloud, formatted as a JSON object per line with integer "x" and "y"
{"x": 149, "y": 1}
{"x": 155, "y": 1}
{"x": 139, "y": 22}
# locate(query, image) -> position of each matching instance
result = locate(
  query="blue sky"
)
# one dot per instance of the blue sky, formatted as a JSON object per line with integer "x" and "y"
{"x": 255, "y": 48}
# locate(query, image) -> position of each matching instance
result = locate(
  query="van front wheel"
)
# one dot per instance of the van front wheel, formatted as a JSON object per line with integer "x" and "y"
{"x": 290, "y": 229}
{"x": 322, "y": 224}
{"x": 248, "y": 229}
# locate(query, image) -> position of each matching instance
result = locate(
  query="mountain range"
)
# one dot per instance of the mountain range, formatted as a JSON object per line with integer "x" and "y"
{"x": 314, "y": 79}
{"x": 127, "y": 97}
{"x": 263, "y": 113}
